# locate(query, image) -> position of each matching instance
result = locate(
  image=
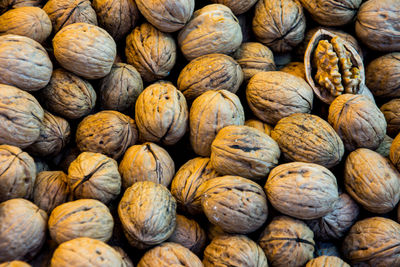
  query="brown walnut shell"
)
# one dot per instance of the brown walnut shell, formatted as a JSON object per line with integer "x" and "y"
{"x": 391, "y": 111}
{"x": 11, "y": 4}
{"x": 259, "y": 125}
{"x": 326, "y": 261}
{"x": 15, "y": 264}
{"x": 237, "y": 7}
{"x": 394, "y": 154}
{"x": 384, "y": 147}
{"x": 296, "y": 69}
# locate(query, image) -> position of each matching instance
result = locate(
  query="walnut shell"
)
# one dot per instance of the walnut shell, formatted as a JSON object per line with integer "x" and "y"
{"x": 22, "y": 229}
{"x": 308, "y": 138}
{"x": 259, "y": 125}
{"x": 125, "y": 258}
{"x": 85, "y": 49}
{"x": 15, "y": 264}
{"x": 391, "y": 111}
{"x": 212, "y": 29}
{"x": 11, "y": 4}
{"x": 296, "y": 69}
{"x": 395, "y": 152}
{"x": 147, "y": 212}
{"x": 237, "y": 7}
{"x": 372, "y": 181}
{"x": 323, "y": 261}
{"x": 384, "y": 147}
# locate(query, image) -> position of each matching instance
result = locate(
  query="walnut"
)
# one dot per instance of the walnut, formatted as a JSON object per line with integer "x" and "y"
{"x": 358, "y": 121}
{"x": 296, "y": 69}
{"x": 22, "y": 229}
{"x": 146, "y": 162}
{"x": 209, "y": 72}
{"x": 237, "y": 7}
{"x": 211, "y": 112}
{"x": 327, "y": 261}
{"x": 372, "y": 181}
{"x": 237, "y": 250}
{"x": 85, "y": 49}
{"x": 148, "y": 212}
{"x": 391, "y": 111}
{"x": 94, "y": 175}
{"x": 273, "y": 95}
{"x": 287, "y": 242}
{"x": 11, "y": 4}
{"x": 259, "y": 125}
{"x": 384, "y": 147}
{"x": 394, "y": 153}
{"x": 308, "y": 138}
{"x": 17, "y": 173}
{"x": 280, "y": 24}
{"x": 212, "y": 29}
{"x": 214, "y": 231}
{"x": 125, "y": 258}
{"x": 151, "y": 52}
{"x": 15, "y": 264}
{"x": 161, "y": 113}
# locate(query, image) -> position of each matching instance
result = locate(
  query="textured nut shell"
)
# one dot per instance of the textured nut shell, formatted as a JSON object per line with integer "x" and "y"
{"x": 236, "y": 204}
{"x": 372, "y": 181}
{"x": 84, "y": 252}
{"x": 209, "y": 113}
{"x": 237, "y": 7}
{"x": 22, "y": 229}
{"x": 85, "y": 49}
{"x": 10, "y": 4}
{"x": 384, "y": 147}
{"x": 209, "y": 72}
{"x": 17, "y": 173}
{"x": 214, "y": 231}
{"x": 327, "y": 261}
{"x": 391, "y": 111}
{"x": 148, "y": 212}
{"x": 395, "y": 152}
{"x": 259, "y": 125}
{"x": 125, "y": 258}
{"x": 274, "y": 95}
{"x": 296, "y": 69}
{"x": 151, "y": 52}
{"x": 212, "y": 29}
{"x": 373, "y": 242}
{"x": 15, "y": 264}
{"x": 236, "y": 250}
{"x": 146, "y": 162}
{"x": 308, "y": 138}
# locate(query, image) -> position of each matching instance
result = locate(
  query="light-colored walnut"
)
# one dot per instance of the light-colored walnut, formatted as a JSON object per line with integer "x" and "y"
{"x": 237, "y": 7}
{"x": 395, "y": 152}
{"x": 296, "y": 69}
{"x": 10, "y": 4}
{"x": 15, "y": 264}
{"x": 125, "y": 258}
{"x": 327, "y": 261}
{"x": 259, "y": 125}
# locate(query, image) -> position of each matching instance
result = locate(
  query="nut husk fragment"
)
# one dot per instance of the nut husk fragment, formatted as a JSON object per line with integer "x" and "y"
{"x": 327, "y": 261}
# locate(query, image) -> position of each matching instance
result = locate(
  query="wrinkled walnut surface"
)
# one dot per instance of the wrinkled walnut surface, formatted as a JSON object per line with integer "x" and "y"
{"x": 327, "y": 261}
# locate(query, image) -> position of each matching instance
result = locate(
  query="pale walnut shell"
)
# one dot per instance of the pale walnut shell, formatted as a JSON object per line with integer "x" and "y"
{"x": 85, "y": 49}
{"x": 296, "y": 69}
{"x": 68, "y": 95}
{"x": 234, "y": 251}
{"x": 108, "y": 132}
{"x": 147, "y": 212}
{"x": 259, "y": 125}
{"x": 161, "y": 113}
{"x": 391, "y": 111}
{"x": 209, "y": 113}
{"x": 125, "y": 258}
{"x": 22, "y": 229}
{"x": 187, "y": 181}
{"x": 212, "y": 29}
{"x": 394, "y": 154}
{"x": 151, "y": 52}
{"x": 169, "y": 254}
{"x": 244, "y": 151}
{"x": 209, "y": 72}
{"x": 287, "y": 242}
{"x": 15, "y": 264}
{"x": 308, "y": 138}
{"x": 358, "y": 121}
{"x": 326, "y": 261}
{"x": 11, "y": 4}
{"x": 384, "y": 147}
{"x": 81, "y": 218}
{"x": 373, "y": 242}
{"x": 237, "y": 7}
{"x": 236, "y": 204}
{"x": 94, "y": 175}
{"x": 167, "y": 15}
{"x": 24, "y": 63}
{"x": 85, "y": 252}
{"x": 17, "y": 173}
{"x": 146, "y": 162}
{"x": 273, "y": 95}
{"x": 372, "y": 181}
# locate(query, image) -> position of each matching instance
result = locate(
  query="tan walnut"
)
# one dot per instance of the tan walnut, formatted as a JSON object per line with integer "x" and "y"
{"x": 259, "y": 125}
{"x": 391, "y": 111}
{"x": 237, "y": 7}
{"x": 125, "y": 258}
{"x": 394, "y": 153}
{"x": 12, "y": 4}
{"x": 15, "y": 264}
{"x": 296, "y": 69}
{"x": 327, "y": 261}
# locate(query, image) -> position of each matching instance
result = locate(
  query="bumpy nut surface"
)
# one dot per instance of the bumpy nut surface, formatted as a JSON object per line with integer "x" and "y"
{"x": 296, "y": 69}
{"x": 151, "y": 52}
{"x": 259, "y": 125}
{"x": 11, "y": 4}
{"x": 237, "y": 250}
{"x": 237, "y": 7}
{"x": 15, "y": 264}
{"x": 212, "y": 29}
{"x": 391, "y": 111}
{"x": 308, "y": 138}
{"x": 395, "y": 152}
{"x": 236, "y": 204}
{"x": 384, "y": 147}
{"x": 209, "y": 72}
{"x": 85, "y": 49}
{"x": 148, "y": 212}
{"x": 125, "y": 258}
{"x": 327, "y": 261}
{"x": 22, "y": 229}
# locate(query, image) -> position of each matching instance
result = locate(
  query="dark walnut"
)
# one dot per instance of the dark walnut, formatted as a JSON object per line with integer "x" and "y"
{"x": 384, "y": 147}
{"x": 41, "y": 165}
{"x": 287, "y": 242}
{"x": 326, "y": 249}
{"x": 15, "y": 264}
{"x": 394, "y": 153}
{"x": 147, "y": 212}
{"x": 151, "y": 52}
{"x": 68, "y": 95}
{"x": 237, "y": 7}
{"x": 11, "y": 4}
{"x": 212, "y": 29}
{"x": 372, "y": 181}
{"x": 373, "y": 242}
{"x": 358, "y": 121}
{"x": 161, "y": 113}
{"x": 280, "y": 25}
{"x": 146, "y": 162}
{"x": 108, "y": 132}
{"x": 209, "y": 113}
{"x": 24, "y": 63}
{"x": 236, "y": 204}
{"x": 22, "y": 229}
{"x": 94, "y": 175}
{"x": 327, "y": 261}
{"x": 259, "y": 125}
{"x": 234, "y": 251}
{"x": 17, "y": 173}
{"x": 308, "y": 138}
{"x": 391, "y": 111}
{"x": 273, "y": 95}
{"x": 296, "y": 69}
{"x": 209, "y": 72}
{"x": 92, "y": 54}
